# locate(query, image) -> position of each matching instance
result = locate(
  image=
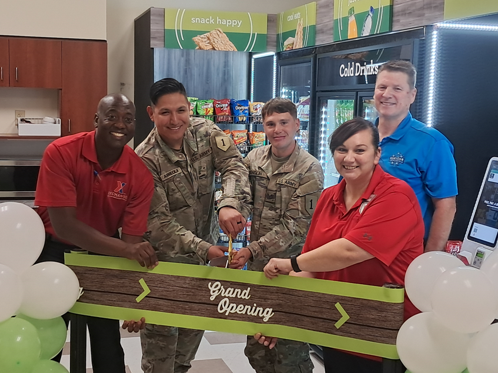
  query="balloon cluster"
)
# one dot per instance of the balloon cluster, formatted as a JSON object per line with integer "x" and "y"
{"x": 458, "y": 305}
{"x": 37, "y": 295}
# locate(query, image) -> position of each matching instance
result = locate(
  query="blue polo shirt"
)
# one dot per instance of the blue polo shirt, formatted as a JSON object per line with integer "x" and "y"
{"x": 423, "y": 157}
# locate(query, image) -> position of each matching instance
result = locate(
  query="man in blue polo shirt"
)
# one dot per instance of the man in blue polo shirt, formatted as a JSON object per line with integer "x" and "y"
{"x": 414, "y": 152}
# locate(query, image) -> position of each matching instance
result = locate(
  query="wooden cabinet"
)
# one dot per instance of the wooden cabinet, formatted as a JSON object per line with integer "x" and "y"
{"x": 84, "y": 83}
{"x": 4, "y": 62}
{"x": 35, "y": 63}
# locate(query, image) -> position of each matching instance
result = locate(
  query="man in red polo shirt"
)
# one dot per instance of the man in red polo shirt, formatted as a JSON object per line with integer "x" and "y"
{"x": 90, "y": 185}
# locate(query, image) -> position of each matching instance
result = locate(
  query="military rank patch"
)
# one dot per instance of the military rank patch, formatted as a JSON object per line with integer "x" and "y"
{"x": 223, "y": 143}
{"x": 311, "y": 201}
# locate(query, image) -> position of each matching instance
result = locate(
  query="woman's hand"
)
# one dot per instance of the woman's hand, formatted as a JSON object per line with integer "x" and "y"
{"x": 270, "y": 342}
{"x": 277, "y": 267}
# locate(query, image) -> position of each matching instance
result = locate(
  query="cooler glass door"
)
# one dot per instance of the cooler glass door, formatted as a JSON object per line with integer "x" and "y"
{"x": 333, "y": 112}
{"x": 295, "y": 84}
{"x": 367, "y": 108}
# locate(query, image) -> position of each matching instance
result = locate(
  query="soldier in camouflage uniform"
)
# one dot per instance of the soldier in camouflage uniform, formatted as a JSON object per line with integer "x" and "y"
{"x": 286, "y": 182}
{"x": 183, "y": 154}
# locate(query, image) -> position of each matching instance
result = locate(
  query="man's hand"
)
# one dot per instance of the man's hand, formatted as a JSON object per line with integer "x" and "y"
{"x": 277, "y": 267}
{"x": 270, "y": 342}
{"x": 216, "y": 251}
{"x": 240, "y": 259}
{"x": 143, "y": 253}
{"x": 231, "y": 221}
{"x": 134, "y": 326}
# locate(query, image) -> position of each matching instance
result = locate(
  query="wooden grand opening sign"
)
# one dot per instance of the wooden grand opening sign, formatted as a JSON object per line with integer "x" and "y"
{"x": 358, "y": 318}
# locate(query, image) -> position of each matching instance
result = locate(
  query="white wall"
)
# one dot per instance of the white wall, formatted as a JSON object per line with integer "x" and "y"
{"x": 36, "y": 102}
{"x": 122, "y": 13}
{"x": 74, "y": 19}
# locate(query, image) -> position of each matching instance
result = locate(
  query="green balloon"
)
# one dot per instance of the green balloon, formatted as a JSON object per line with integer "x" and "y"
{"x": 52, "y": 334}
{"x": 48, "y": 366}
{"x": 19, "y": 346}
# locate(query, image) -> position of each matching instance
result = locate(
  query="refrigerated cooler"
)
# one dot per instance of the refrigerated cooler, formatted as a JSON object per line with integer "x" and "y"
{"x": 345, "y": 84}
{"x": 295, "y": 80}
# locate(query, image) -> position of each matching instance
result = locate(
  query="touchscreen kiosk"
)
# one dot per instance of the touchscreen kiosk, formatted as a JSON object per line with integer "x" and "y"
{"x": 482, "y": 233}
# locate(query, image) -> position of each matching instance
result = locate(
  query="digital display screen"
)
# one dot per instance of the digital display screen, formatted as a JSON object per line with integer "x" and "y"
{"x": 484, "y": 228}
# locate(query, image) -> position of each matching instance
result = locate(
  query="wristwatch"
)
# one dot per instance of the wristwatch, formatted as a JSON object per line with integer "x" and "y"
{"x": 295, "y": 266}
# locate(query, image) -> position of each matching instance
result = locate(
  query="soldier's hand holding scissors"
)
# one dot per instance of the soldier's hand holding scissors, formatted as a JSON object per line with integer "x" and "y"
{"x": 231, "y": 221}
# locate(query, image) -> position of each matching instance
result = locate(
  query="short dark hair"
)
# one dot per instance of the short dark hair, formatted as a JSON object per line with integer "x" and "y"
{"x": 279, "y": 105}
{"x": 350, "y": 128}
{"x": 402, "y": 67}
{"x": 164, "y": 87}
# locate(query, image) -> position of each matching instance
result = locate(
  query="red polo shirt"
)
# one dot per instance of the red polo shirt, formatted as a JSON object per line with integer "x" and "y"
{"x": 70, "y": 176}
{"x": 386, "y": 222}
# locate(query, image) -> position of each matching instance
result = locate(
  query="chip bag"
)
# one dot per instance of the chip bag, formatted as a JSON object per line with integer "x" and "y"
{"x": 255, "y": 109}
{"x": 240, "y": 140}
{"x": 257, "y": 139}
{"x": 192, "y": 101}
{"x": 222, "y": 111}
{"x": 240, "y": 110}
{"x": 205, "y": 108}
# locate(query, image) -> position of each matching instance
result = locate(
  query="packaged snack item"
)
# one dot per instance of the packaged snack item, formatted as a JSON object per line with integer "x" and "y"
{"x": 192, "y": 101}
{"x": 240, "y": 110}
{"x": 257, "y": 139}
{"x": 303, "y": 108}
{"x": 205, "y": 108}
{"x": 255, "y": 108}
{"x": 222, "y": 111}
{"x": 228, "y": 132}
{"x": 240, "y": 140}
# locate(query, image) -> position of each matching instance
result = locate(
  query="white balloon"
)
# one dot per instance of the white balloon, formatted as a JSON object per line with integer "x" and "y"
{"x": 422, "y": 274}
{"x": 22, "y": 236}
{"x": 11, "y": 292}
{"x": 426, "y": 346}
{"x": 50, "y": 290}
{"x": 490, "y": 268}
{"x": 481, "y": 354}
{"x": 464, "y": 300}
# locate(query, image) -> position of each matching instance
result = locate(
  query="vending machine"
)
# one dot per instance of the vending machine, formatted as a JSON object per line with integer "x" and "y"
{"x": 345, "y": 83}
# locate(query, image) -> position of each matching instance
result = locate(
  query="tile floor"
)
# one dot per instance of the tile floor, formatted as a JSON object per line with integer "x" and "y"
{"x": 218, "y": 353}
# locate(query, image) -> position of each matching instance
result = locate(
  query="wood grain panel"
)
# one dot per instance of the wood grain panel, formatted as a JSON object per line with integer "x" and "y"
{"x": 35, "y": 63}
{"x": 4, "y": 62}
{"x": 271, "y": 34}
{"x": 324, "y": 21}
{"x": 157, "y": 27}
{"x": 369, "y": 320}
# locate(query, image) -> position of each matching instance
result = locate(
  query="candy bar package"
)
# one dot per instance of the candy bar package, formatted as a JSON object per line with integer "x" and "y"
{"x": 257, "y": 139}
{"x": 205, "y": 109}
{"x": 222, "y": 111}
{"x": 192, "y": 101}
{"x": 240, "y": 140}
{"x": 240, "y": 111}
{"x": 255, "y": 109}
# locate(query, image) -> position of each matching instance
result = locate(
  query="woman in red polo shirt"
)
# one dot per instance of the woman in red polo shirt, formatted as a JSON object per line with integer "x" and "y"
{"x": 365, "y": 230}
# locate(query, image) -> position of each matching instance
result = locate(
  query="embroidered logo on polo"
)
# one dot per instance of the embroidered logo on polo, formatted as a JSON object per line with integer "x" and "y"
{"x": 118, "y": 192}
{"x": 120, "y": 187}
{"x": 397, "y": 159}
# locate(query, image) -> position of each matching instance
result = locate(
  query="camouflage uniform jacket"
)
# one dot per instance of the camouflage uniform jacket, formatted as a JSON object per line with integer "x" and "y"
{"x": 182, "y": 222}
{"x": 281, "y": 217}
